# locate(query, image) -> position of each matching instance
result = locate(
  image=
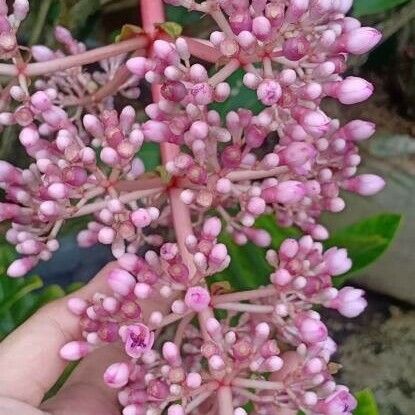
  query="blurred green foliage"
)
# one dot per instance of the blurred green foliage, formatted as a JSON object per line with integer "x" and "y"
{"x": 21, "y": 297}
{"x": 368, "y": 7}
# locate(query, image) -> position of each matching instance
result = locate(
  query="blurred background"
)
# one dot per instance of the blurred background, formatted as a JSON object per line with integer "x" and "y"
{"x": 377, "y": 349}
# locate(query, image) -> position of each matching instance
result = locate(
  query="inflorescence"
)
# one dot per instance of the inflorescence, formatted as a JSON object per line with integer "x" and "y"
{"x": 266, "y": 348}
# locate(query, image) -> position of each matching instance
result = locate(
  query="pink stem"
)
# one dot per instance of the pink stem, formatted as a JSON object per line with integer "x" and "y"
{"x": 225, "y": 404}
{"x": 244, "y": 296}
{"x": 246, "y": 308}
{"x": 90, "y": 56}
{"x": 203, "y": 50}
{"x": 241, "y": 175}
{"x": 257, "y": 384}
{"x": 152, "y": 13}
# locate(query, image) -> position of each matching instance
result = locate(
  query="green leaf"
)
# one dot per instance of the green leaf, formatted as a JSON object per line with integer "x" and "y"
{"x": 366, "y": 403}
{"x": 367, "y": 7}
{"x": 241, "y": 96}
{"x": 150, "y": 155}
{"x": 31, "y": 284}
{"x": 182, "y": 16}
{"x": 173, "y": 29}
{"x": 80, "y": 12}
{"x": 248, "y": 268}
{"x": 365, "y": 241}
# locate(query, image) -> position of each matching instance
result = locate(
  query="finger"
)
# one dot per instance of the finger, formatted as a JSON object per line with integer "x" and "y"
{"x": 85, "y": 392}
{"x": 29, "y": 357}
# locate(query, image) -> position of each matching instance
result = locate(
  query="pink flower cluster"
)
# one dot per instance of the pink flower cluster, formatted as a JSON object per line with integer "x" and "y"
{"x": 265, "y": 348}
{"x": 269, "y": 331}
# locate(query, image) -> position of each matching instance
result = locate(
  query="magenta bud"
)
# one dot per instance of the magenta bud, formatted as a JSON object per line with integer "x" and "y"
{"x": 295, "y": 48}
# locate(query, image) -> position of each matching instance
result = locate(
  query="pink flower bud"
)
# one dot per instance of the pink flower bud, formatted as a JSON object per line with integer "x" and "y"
{"x": 202, "y": 94}
{"x": 311, "y": 330}
{"x": 122, "y": 282}
{"x": 156, "y": 131}
{"x": 171, "y": 353}
{"x": 41, "y": 101}
{"x": 256, "y": 206}
{"x": 21, "y": 267}
{"x": 212, "y": 227}
{"x": 339, "y": 402}
{"x": 358, "y": 130}
{"x": 197, "y": 298}
{"x": 42, "y": 53}
{"x": 281, "y": 277}
{"x": 138, "y": 66}
{"x": 269, "y": 92}
{"x": 337, "y": 261}
{"x": 274, "y": 363}
{"x": 77, "y": 305}
{"x": 75, "y": 350}
{"x": 295, "y": 48}
{"x": 175, "y": 410}
{"x": 116, "y": 376}
{"x": 360, "y": 41}
{"x": 28, "y": 136}
{"x": 352, "y": 90}
{"x": 93, "y": 125}
{"x": 193, "y": 380}
{"x": 141, "y": 218}
{"x": 365, "y": 184}
{"x": 261, "y": 27}
{"x": 349, "y": 302}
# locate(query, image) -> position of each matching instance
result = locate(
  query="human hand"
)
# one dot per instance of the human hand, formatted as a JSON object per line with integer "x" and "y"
{"x": 30, "y": 364}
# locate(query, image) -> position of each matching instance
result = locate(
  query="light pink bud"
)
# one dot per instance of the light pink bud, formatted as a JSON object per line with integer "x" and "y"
{"x": 50, "y": 208}
{"x": 28, "y": 136}
{"x": 269, "y": 92}
{"x": 77, "y": 305}
{"x": 360, "y": 41}
{"x": 116, "y": 376}
{"x": 337, "y": 261}
{"x": 171, "y": 353}
{"x": 339, "y": 402}
{"x": 41, "y": 101}
{"x": 281, "y": 277}
{"x": 197, "y": 298}
{"x": 349, "y": 302}
{"x": 365, "y": 184}
{"x": 202, "y": 93}
{"x": 274, "y": 363}
{"x": 21, "y": 267}
{"x": 352, "y": 90}
{"x": 193, "y": 380}
{"x": 57, "y": 191}
{"x": 75, "y": 350}
{"x": 358, "y": 130}
{"x": 175, "y": 410}
{"x": 42, "y": 53}
{"x": 256, "y": 206}
{"x": 212, "y": 227}
{"x": 156, "y": 131}
{"x": 138, "y": 66}
{"x": 261, "y": 27}
{"x": 93, "y": 125}
{"x": 311, "y": 330}
{"x": 122, "y": 282}
{"x": 141, "y": 218}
